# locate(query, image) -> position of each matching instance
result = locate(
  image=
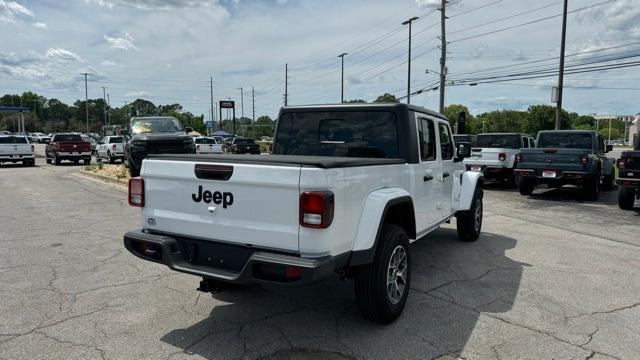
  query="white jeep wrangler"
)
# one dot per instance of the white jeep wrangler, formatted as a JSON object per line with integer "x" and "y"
{"x": 346, "y": 190}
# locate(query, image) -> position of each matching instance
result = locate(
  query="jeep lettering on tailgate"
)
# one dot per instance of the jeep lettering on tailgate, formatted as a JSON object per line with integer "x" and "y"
{"x": 224, "y": 198}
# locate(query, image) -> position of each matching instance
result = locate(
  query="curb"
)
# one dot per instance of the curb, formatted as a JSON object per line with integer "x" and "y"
{"x": 104, "y": 178}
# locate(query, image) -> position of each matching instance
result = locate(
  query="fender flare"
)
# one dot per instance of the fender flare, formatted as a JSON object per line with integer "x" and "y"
{"x": 372, "y": 219}
{"x": 463, "y": 189}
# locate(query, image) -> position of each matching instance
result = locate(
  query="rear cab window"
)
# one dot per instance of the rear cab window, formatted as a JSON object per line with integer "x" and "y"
{"x": 371, "y": 134}
{"x": 567, "y": 140}
{"x": 13, "y": 140}
{"x": 498, "y": 141}
{"x": 116, "y": 140}
{"x": 67, "y": 138}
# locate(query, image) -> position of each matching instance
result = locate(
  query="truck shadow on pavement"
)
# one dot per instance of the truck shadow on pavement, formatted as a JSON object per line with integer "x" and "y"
{"x": 452, "y": 284}
{"x": 573, "y": 194}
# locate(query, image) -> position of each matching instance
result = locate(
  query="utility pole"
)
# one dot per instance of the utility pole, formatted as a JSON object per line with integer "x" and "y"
{"x": 443, "y": 52}
{"x": 211, "y": 95}
{"x": 286, "y": 83}
{"x": 35, "y": 118}
{"x": 86, "y": 99}
{"x": 561, "y": 72}
{"x": 241, "y": 103}
{"x": 253, "y": 105}
{"x": 341, "y": 56}
{"x": 104, "y": 99}
{"x": 408, "y": 22}
{"x": 109, "y": 112}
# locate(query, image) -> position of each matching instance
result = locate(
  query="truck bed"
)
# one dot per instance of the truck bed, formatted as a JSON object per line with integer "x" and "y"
{"x": 324, "y": 162}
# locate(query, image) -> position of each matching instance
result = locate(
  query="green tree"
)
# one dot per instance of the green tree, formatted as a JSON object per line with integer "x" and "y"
{"x": 452, "y": 111}
{"x": 356, "y": 101}
{"x": 583, "y": 122}
{"x": 615, "y": 133}
{"x": 543, "y": 117}
{"x": 386, "y": 98}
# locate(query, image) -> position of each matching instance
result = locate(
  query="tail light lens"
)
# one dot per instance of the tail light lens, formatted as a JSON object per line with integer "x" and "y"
{"x": 622, "y": 162}
{"x": 316, "y": 209}
{"x": 502, "y": 156}
{"x": 584, "y": 159}
{"x": 519, "y": 158}
{"x": 136, "y": 192}
{"x": 197, "y": 147}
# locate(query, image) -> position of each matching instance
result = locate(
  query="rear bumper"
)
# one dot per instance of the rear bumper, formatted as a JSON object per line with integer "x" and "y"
{"x": 629, "y": 183}
{"x": 229, "y": 263}
{"x": 565, "y": 176}
{"x": 492, "y": 171}
{"x": 19, "y": 157}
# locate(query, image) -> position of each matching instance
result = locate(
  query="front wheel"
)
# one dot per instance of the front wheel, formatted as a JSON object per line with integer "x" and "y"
{"x": 626, "y": 198}
{"x": 469, "y": 222}
{"x": 382, "y": 287}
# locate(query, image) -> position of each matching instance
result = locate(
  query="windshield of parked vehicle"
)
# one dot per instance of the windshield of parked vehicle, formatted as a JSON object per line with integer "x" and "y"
{"x": 498, "y": 141}
{"x": 244, "y": 141}
{"x": 67, "y": 138}
{"x": 568, "y": 140}
{"x": 13, "y": 140}
{"x": 205, "y": 141}
{"x": 156, "y": 125}
{"x": 341, "y": 133}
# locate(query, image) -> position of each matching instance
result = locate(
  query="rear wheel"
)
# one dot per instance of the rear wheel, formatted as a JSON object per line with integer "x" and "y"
{"x": 56, "y": 160}
{"x": 626, "y": 198}
{"x": 87, "y": 161}
{"x": 110, "y": 158}
{"x": 591, "y": 188}
{"x": 469, "y": 222}
{"x": 382, "y": 287}
{"x": 525, "y": 186}
{"x": 607, "y": 181}
{"x": 76, "y": 162}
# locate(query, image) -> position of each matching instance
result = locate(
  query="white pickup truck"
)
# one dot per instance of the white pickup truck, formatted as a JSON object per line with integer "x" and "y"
{"x": 346, "y": 190}
{"x": 16, "y": 148}
{"x": 111, "y": 148}
{"x": 208, "y": 145}
{"x": 494, "y": 154}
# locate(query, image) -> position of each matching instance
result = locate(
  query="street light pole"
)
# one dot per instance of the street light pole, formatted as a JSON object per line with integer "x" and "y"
{"x": 86, "y": 99}
{"x": 561, "y": 72}
{"x": 341, "y": 56}
{"x": 104, "y": 99}
{"x": 408, "y": 22}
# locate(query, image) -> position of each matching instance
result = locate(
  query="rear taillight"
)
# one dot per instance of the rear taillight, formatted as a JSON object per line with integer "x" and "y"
{"x": 584, "y": 159}
{"x": 136, "y": 192}
{"x": 316, "y": 209}
{"x": 519, "y": 158}
{"x": 622, "y": 162}
{"x": 33, "y": 148}
{"x": 113, "y": 148}
{"x": 502, "y": 156}
{"x": 197, "y": 147}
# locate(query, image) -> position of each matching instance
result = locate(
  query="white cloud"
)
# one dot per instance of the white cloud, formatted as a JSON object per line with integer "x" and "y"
{"x": 433, "y": 4}
{"x": 62, "y": 54}
{"x": 39, "y": 25}
{"x": 108, "y": 63}
{"x": 137, "y": 94}
{"x": 10, "y": 11}
{"x": 150, "y": 4}
{"x": 123, "y": 41}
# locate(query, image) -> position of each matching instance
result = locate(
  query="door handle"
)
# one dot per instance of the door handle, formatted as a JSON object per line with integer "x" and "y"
{"x": 427, "y": 178}
{"x": 445, "y": 175}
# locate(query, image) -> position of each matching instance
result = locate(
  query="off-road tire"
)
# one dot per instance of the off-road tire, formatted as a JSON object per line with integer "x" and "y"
{"x": 626, "y": 198}
{"x": 608, "y": 181}
{"x": 371, "y": 283}
{"x": 525, "y": 186}
{"x": 591, "y": 188}
{"x": 469, "y": 222}
{"x": 86, "y": 162}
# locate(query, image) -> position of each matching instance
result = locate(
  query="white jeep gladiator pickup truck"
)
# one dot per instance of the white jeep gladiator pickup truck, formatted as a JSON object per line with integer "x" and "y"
{"x": 346, "y": 190}
{"x": 111, "y": 148}
{"x": 494, "y": 154}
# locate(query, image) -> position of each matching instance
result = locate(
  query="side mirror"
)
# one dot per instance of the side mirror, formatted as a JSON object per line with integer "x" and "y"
{"x": 609, "y": 148}
{"x": 188, "y": 129}
{"x": 463, "y": 150}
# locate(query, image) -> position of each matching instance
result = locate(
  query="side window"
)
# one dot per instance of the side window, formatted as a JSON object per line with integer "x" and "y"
{"x": 427, "y": 137}
{"x": 446, "y": 145}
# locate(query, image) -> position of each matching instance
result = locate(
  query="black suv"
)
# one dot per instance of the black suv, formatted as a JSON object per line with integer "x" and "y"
{"x": 155, "y": 135}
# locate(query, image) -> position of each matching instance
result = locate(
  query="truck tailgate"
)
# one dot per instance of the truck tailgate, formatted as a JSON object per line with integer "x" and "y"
{"x": 256, "y": 206}
{"x": 562, "y": 159}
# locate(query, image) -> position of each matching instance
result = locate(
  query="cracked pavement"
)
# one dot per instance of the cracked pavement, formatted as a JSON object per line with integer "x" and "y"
{"x": 550, "y": 278}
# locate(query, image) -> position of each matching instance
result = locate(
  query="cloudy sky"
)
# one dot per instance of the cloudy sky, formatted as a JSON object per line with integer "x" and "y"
{"x": 166, "y": 51}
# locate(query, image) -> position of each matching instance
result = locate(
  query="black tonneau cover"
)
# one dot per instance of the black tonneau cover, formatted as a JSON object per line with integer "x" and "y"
{"x": 324, "y": 162}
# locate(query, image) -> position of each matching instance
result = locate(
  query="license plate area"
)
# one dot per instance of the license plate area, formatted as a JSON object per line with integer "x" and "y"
{"x": 548, "y": 173}
{"x": 476, "y": 168}
{"x": 222, "y": 256}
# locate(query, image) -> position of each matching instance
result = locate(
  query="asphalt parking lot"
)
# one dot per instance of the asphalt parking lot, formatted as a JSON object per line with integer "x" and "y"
{"x": 551, "y": 277}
